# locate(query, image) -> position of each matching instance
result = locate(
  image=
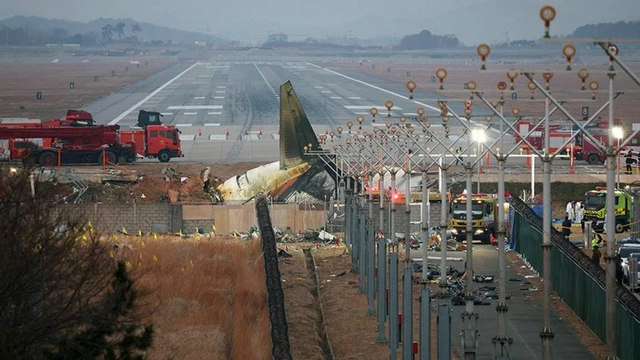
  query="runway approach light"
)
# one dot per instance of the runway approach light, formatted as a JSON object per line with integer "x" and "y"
{"x": 478, "y": 135}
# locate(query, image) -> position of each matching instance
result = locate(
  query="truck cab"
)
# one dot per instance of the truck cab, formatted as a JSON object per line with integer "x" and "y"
{"x": 146, "y": 118}
{"x": 153, "y": 139}
{"x": 484, "y": 208}
{"x": 595, "y": 208}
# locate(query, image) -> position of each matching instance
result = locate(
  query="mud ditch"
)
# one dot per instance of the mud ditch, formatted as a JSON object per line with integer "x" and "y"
{"x": 323, "y": 338}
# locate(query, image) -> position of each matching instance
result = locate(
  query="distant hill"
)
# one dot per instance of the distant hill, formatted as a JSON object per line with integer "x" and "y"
{"x": 131, "y": 31}
{"x": 426, "y": 40}
{"x": 617, "y": 30}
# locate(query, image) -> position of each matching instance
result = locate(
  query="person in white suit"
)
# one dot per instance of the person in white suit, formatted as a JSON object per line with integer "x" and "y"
{"x": 570, "y": 211}
{"x": 579, "y": 212}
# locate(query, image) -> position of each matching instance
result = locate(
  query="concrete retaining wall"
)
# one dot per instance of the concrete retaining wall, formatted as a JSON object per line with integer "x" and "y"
{"x": 109, "y": 218}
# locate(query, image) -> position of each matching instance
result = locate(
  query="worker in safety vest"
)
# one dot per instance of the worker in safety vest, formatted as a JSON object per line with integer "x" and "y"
{"x": 596, "y": 241}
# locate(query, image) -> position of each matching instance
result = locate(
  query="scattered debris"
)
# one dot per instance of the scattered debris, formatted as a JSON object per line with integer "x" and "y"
{"x": 282, "y": 253}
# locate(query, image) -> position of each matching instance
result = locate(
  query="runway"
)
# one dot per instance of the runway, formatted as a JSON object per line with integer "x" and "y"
{"x": 228, "y": 110}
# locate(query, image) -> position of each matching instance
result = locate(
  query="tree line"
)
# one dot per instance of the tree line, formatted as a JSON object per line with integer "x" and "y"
{"x": 620, "y": 30}
{"x": 426, "y": 40}
{"x": 23, "y": 36}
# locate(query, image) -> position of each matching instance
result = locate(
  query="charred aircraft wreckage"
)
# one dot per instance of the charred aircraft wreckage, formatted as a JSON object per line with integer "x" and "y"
{"x": 296, "y": 178}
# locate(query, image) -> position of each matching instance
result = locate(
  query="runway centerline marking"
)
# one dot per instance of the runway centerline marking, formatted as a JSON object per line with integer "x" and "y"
{"x": 266, "y": 81}
{"x": 153, "y": 93}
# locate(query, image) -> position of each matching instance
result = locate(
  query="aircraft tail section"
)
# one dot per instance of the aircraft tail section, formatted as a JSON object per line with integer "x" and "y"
{"x": 295, "y": 130}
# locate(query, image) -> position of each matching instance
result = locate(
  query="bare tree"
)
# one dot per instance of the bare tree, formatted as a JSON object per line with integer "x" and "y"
{"x": 278, "y": 38}
{"x": 62, "y": 296}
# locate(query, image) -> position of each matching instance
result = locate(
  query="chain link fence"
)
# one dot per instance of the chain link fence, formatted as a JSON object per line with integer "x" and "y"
{"x": 577, "y": 280}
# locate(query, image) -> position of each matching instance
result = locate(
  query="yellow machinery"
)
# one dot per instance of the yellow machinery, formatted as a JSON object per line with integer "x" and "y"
{"x": 484, "y": 209}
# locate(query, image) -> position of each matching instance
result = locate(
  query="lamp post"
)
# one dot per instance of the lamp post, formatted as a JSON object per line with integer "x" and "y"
{"x": 479, "y": 136}
{"x": 618, "y": 133}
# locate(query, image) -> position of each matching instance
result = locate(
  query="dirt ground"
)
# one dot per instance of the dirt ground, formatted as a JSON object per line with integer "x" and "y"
{"x": 19, "y": 83}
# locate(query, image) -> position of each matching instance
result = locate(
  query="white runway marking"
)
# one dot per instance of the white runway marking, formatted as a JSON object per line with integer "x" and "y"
{"x": 368, "y": 107}
{"x": 218, "y": 97}
{"x": 166, "y": 114}
{"x": 190, "y": 113}
{"x": 135, "y": 106}
{"x": 212, "y": 124}
{"x": 199, "y": 82}
{"x": 198, "y": 98}
{"x": 266, "y": 81}
{"x": 430, "y": 107}
{"x": 319, "y": 87}
{"x": 184, "y": 137}
{"x": 220, "y": 91}
{"x": 335, "y": 97}
{"x": 326, "y": 91}
{"x": 221, "y": 87}
{"x": 184, "y": 125}
{"x": 205, "y": 76}
{"x": 355, "y": 98}
{"x": 194, "y": 107}
{"x": 214, "y": 113}
{"x": 362, "y": 113}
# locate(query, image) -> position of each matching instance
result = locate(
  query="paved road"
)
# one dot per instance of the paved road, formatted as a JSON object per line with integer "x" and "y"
{"x": 524, "y": 318}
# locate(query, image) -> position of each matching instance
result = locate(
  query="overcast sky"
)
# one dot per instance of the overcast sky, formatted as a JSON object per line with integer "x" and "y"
{"x": 470, "y": 20}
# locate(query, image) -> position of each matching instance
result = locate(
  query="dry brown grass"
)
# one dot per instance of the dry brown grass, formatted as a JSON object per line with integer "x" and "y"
{"x": 209, "y": 297}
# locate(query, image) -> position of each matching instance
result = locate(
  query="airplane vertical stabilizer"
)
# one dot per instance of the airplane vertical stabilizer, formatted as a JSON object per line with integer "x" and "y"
{"x": 295, "y": 129}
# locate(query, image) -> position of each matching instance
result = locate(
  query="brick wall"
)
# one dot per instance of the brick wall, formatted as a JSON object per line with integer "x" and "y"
{"x": 109, "y": 218}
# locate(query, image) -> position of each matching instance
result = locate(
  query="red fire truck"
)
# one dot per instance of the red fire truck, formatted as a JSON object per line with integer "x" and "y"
{"x": 583, "y": 148}
{"x": 76, "y": 139}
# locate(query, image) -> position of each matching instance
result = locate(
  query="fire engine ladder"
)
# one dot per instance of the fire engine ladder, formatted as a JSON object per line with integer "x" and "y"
{"x": 80, "y": 186}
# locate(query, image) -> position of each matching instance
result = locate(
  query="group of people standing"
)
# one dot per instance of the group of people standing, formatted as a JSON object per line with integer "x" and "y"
{"x": 575, "y": 211}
